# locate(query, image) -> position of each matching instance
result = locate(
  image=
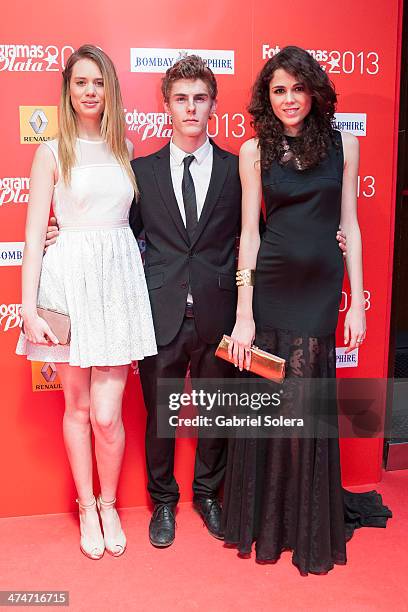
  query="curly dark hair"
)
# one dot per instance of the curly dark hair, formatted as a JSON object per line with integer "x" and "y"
{"x": 189, "y": 67}
{"x": 317, "y": 131}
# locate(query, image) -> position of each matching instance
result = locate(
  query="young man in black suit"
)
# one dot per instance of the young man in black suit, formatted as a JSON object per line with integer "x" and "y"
{"x": 189, "y": 207}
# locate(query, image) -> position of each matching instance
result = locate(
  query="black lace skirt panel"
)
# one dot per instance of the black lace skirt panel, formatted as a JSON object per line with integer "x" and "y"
{"x": 286, "y": 493}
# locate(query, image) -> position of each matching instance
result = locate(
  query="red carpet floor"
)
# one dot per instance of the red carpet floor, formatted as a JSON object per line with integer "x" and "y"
{"x": 199, "y": 573}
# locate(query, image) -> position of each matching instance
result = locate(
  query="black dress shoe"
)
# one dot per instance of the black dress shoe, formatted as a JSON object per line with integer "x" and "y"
{"x": 210, "y": 511}
{"x": 162, "y": 526}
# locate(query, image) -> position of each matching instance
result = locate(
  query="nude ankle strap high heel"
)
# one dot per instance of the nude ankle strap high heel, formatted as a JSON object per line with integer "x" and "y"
{"x": 115, "y": 545}
{"x": 91, "y": 547}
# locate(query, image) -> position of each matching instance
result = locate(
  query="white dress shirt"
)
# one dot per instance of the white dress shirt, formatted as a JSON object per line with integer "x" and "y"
{"x": 200, "y": 169}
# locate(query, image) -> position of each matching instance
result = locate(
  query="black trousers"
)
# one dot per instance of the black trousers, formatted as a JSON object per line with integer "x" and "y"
{"x": 172, "y": 361}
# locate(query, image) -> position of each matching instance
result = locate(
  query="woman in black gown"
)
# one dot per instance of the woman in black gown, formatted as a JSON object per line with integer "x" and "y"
{"x": 285, "y": 493}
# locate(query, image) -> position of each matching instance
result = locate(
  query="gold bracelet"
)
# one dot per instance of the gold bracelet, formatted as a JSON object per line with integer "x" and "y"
{"x": 245, "y": 278}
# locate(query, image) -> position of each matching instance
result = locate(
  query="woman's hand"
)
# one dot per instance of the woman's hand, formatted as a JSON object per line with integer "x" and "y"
{"x": 354, "y": 327}
{"x": 242, "y": 338}
{"x": 37, "y": 331}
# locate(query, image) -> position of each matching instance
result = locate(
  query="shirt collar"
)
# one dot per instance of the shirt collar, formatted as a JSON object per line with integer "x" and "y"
{"x": 200, "y": 154}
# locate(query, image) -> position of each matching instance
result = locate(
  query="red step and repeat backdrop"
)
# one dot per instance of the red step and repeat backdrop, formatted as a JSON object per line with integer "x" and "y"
{"x": 358, "y": 48}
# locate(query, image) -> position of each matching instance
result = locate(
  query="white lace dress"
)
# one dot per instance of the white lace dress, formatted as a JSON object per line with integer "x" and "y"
{"x": 94, "y": 272}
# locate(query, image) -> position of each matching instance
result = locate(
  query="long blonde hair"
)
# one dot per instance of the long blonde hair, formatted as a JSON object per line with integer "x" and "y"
{"x": 113, "y": 120}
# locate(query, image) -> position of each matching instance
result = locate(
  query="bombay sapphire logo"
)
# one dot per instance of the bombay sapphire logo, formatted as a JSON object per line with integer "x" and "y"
{"x": 11, "y": 253}
{"x": 355, "y": 123}
{"x": 346, "y": 360}
{"x": 147, "y": 59}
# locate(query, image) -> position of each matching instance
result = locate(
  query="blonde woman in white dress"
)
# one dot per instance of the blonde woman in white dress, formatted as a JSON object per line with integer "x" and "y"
{"x": 94, "y": 274}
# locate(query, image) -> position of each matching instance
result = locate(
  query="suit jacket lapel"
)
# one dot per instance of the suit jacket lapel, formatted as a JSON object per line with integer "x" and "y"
{"x": 218, "y": 175}
{"x": 162, "y": 173}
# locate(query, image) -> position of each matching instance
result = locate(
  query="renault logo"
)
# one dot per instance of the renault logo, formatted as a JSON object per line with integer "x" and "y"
{"x": 38, "y": 121}
{"x": 49, "y": 372}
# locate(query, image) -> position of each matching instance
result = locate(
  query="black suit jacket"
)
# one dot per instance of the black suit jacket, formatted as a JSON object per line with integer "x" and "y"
{"x": 171, "y": 263}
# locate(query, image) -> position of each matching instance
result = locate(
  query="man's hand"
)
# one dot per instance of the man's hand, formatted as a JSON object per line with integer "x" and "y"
{"x": 341, "y": 238}
{"x": 52, "y": 233}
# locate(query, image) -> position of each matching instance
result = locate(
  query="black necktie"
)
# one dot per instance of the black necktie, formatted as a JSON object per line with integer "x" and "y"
{"x": 189, "y": 197}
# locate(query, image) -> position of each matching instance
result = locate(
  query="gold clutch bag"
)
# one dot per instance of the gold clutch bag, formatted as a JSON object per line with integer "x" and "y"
{"x": 262, "y": 363}
{"x": 59, "y": 323}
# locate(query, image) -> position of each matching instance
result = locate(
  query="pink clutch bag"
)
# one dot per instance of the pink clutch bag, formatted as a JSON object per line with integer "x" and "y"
{"x": 59, "y": 323}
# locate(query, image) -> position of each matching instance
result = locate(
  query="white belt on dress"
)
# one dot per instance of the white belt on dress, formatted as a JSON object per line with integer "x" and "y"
{"x": 107, "y": 225}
